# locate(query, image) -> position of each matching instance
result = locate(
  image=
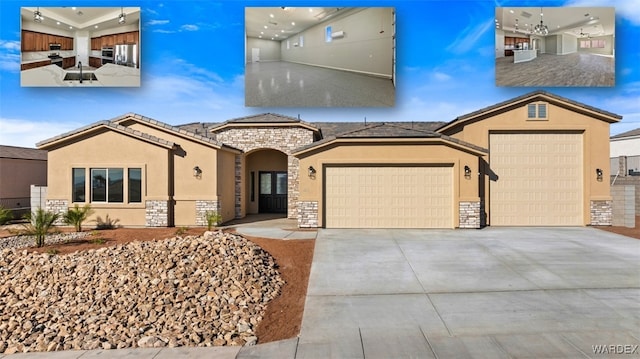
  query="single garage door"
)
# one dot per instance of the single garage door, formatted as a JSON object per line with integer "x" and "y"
{"x": 539, "y": 179}
{"x": 389, "y": 197}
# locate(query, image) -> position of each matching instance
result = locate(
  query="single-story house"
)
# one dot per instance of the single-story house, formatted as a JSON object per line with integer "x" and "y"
{"x": 20, "y": 167}
{"x": 625, "y": 153}
{"x": 534, "y": 160}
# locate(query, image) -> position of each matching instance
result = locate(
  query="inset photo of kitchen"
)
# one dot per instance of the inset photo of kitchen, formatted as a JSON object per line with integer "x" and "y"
{"x": 555, "y": 46}
{"x": 80, "y": 46}
{"x": 320, "y": 57}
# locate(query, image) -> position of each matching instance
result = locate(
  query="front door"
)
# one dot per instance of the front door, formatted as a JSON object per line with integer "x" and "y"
{"x": 273, "y": 192}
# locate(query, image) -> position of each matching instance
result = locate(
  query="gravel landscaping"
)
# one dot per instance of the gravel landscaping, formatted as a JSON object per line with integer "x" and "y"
{"x": 193, "y": 291}
{"x": 30, "y": 241}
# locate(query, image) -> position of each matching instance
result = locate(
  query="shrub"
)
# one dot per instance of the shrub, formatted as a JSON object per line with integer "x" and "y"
{"x": 213, "y": 218}
{"x": 182, "y": 230}
{"x": 40, "y": 223}
{"x": 107, "y": 223}
{"x": 77, "y": 215}
{"x": 5, "y": 215}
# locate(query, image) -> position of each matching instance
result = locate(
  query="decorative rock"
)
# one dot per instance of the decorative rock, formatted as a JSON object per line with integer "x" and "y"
{"x": 215, "y": 292}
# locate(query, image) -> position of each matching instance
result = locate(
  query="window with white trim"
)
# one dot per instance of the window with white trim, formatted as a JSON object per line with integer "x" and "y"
{"x": 537, "y": 111}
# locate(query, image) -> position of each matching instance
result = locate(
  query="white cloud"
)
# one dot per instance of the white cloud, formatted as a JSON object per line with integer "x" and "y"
{"x": 164, "y": 31}
{"x": 10, "y": 45}
{"x": 26, "y": 133}
{"x": 629, "y": 9}
{"x": 10, "y": 62}
{"x": 157, "y": 22}
{"x": 441, "y": 76}
{"x": 468, "y": 38}
{"x": 189, "y": 27}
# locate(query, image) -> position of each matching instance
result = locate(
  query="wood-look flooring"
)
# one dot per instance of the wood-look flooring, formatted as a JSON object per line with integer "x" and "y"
{"x": 572, "y": 70}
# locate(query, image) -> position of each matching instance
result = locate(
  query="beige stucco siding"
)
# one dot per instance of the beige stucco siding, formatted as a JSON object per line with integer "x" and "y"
{"x": 109, "y": 149}
{"x": 398, "y": 153}
{"x": 226, "y": 184}
{"x": 595, "y": 137}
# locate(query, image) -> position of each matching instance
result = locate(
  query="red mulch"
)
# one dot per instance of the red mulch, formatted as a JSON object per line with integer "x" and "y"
{"x": 629, "y": 232}
{"x": 283, "y": 317}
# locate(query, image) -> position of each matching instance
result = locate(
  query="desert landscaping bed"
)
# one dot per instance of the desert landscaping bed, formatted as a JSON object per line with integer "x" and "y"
{"x": 625, "y": 231}
{"x": 186, "y": 290}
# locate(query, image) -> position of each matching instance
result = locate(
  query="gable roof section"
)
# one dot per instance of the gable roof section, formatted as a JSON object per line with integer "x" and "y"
{"x": 22, "y": 153}
{"x": 263, "y": 120}
{"x": 63, "y": 138}
{"x": 181, "y": 132}
{"x": 628, "y": 134}
{"x": 386, "y": 132}
{"x": 539, "y": 95}
{"x": 329, "y": 129}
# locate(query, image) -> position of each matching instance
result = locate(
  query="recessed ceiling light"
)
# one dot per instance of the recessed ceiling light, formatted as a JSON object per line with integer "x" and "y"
{"x": 591, "y": 18}
{"x": 57, "y": 22}
{"x": 260, "y": 36}
{"x": 261, "y": 32}
{"x": 310, "y": 10}
{"x": 265, "y": 26}
{"x": 293, "y": 23}
{"x": 96, "y": 26}
{"x": 73, "y": 8}
{"x": 511, "y": 11}
{"x": 271, "y": 16}
{"x": 281, "y": 30}
{"x": 272, "y": 38}
{"x": 70, "y": 27}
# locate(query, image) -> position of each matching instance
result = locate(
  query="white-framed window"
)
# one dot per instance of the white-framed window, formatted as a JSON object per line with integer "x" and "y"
{"x": 288, "y": 45}
{"x": 537, "y": 111}
{"x": 301, "y": 40}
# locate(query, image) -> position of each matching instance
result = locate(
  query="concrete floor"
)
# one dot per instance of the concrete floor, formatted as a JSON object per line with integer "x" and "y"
{"x": 284, "y": 84}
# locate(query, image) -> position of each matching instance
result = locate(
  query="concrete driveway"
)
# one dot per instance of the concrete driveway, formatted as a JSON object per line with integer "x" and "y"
{"x": 491, "y": 293}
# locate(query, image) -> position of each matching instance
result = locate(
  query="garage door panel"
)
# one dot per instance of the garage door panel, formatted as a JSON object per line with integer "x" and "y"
{"x": 539, "y": 179}
{"x": 389, "y": 197}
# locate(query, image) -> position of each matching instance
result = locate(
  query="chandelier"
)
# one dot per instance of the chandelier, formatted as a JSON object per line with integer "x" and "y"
{"x": 541, "y": 28}
{"x": 37, "y": 16}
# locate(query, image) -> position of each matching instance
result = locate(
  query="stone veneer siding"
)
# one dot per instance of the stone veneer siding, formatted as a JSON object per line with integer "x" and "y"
{"x": 157, "y": 213}
{"x": 284, "y": 139}
{"x": 59, "y": 206}
{"x": 238, "y": 186}
{"x": 201, "y": 210}
{"x": 601, "y": 213}
{"x": 470, "y": 214}
{"x": 308, "y": 214}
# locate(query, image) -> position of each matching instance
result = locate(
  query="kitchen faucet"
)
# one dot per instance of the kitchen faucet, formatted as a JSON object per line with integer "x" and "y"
{"x": 80, "y": 67}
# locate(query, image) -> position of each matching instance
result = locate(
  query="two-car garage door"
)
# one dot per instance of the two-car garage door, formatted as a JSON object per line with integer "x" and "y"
{"x": 537, "y": 179}
{"x": 389, "y": 197}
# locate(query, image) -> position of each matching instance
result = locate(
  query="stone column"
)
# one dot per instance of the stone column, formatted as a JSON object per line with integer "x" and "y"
{"x": 157, "y": 213}
{"x": 59, "y": 206}
{"x": 601, "y": 213}
{"x": 293, "y": 190}
{"x": 307, "y": 214}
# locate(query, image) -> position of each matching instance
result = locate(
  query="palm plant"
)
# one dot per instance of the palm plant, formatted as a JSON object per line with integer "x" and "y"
{"x": 77, "y": 215}
{"x": 40, "y": 223}
{"x": 5, "y": 215}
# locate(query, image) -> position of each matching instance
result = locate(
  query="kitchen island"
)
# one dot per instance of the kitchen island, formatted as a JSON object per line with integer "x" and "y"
{"x": 524, "y": 55}
{"x": 108, "y": 75}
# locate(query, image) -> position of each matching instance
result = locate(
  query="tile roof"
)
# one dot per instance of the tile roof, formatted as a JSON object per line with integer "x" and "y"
{"x": 184, "y": 132}
{"x": 631, "y": 133}
{"x": 264, "y": 118}
{"x": 112, "y": 125}
{"x": 334, "y": 128}
{"x": 390, "y": 131}
{"x": 22, "y": 153}
{"x": 526, "y": 96}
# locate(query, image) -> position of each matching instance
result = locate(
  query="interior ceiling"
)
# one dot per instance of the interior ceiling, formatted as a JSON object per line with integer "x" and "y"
{"x": 282, "y": 22}
{"x": 82, "y": 18}
{"x": 577, "y": 21}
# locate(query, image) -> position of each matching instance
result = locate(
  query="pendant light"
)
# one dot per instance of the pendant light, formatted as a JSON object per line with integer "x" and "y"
{"x": 541, "y": 28}
{"x": 122, "y": 18}
{"x": 37, "y": 15}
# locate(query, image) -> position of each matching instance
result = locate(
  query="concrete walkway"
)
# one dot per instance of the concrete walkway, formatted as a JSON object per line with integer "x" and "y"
{"x": 491, "y": 293}
{"x": 276, "y": 228}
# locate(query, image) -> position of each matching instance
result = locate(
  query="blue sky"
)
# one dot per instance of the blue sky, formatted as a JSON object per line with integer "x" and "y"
{"x": 193, "y": 64}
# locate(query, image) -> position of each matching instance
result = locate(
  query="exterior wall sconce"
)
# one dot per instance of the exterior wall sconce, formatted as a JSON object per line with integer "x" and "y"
{"x": 599, "y": 174}
{"x": 312, "y": 172}
{"x": 197, "y": 172}
{"x": 467, "y": 172}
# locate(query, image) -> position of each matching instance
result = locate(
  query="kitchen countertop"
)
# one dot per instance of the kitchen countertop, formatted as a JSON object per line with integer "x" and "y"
{"x": 108, "y": 75}
{"x": 37, "y": 56}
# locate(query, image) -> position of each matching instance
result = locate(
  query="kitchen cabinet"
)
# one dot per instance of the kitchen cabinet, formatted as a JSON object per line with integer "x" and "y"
{"x": 36, "y": 41}
{"x": 119, "y": 38}
{"x": 131, "y": 37}
{"x": 95, "y": 62}
{"x": 96, "y": 43}
{"x": 33, "y": 65}
{"x": 68, "y": 62}
{"x": 513, "y": 43}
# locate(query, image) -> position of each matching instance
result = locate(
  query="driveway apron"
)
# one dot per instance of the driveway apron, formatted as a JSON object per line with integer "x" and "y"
{"x": 491, "y": 293}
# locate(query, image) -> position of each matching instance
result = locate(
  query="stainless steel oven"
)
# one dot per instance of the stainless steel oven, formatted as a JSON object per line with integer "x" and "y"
{"x": 107, "y": 52}
{"x": 107, "y": 61}
{"x": 55, "y": 47}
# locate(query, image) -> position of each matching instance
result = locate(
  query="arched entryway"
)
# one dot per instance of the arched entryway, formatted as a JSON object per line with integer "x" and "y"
{"x": 267, "y": 181}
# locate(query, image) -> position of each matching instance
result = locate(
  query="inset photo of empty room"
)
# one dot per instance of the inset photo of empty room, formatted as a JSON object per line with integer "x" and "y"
{"x": 555, "y": 46}
{"x": 319, "y": 57}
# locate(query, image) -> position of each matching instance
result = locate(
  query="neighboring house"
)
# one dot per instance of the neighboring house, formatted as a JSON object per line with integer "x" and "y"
{"x": 538, "y": 159}
{"x": 20, "y": 167}
{"x": 627, "y": 146}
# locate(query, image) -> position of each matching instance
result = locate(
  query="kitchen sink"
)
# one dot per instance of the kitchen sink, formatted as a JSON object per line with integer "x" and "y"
{"x": 75, "y": 76}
